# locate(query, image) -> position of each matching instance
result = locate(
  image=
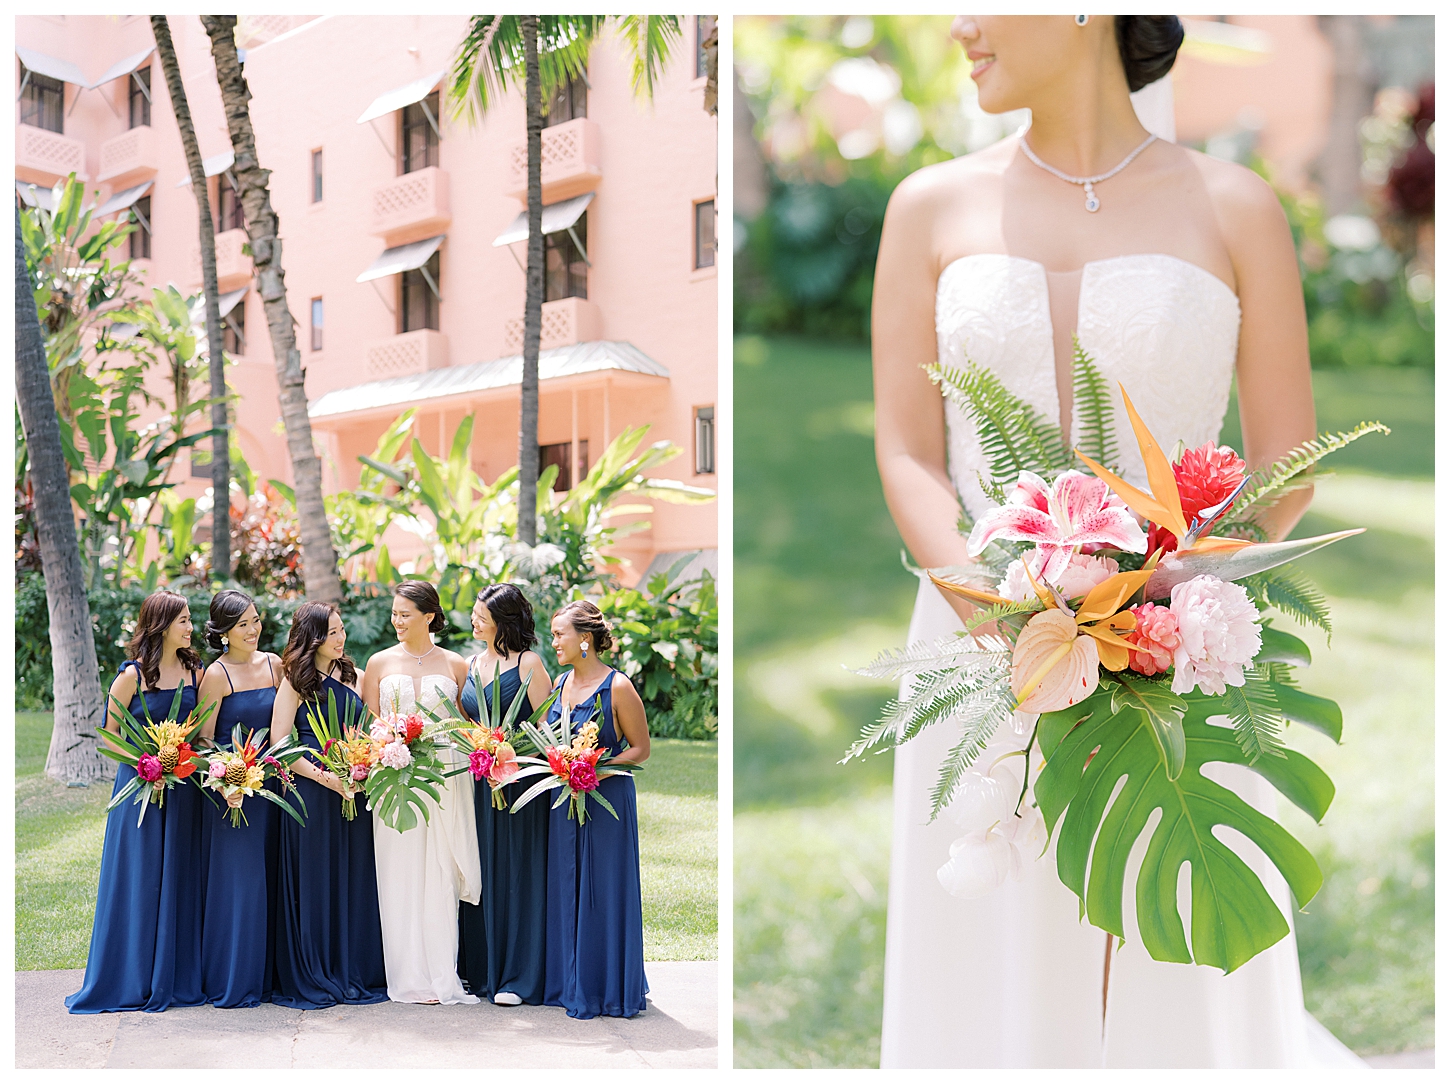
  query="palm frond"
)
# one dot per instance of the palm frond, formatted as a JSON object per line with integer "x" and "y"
{"x": 1013, "y": 436}
{"x": 977, "y": 732}
{"x": 1258, "y": 722}
{"x": 1092, "y": 401}
{"x": 1291, "y": 592}
{"x": 1274, "y": 478}
{"x": 650, "y": 38}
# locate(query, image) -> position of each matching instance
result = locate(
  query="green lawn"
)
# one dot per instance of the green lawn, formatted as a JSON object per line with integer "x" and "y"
{"x": 58, "y": 835}
{"x": 819, "y": 586}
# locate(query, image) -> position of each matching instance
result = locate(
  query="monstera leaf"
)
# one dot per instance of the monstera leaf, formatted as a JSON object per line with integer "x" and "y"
{"x": 1091, "y": 747}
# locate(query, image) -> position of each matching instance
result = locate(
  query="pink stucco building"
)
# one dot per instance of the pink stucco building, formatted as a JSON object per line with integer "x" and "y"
{"x": 402, "y": 246}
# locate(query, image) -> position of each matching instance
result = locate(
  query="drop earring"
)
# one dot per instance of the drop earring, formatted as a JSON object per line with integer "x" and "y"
{"x": 584, "y": 648}
{"x": 1081, "y": 20}
{"x": 226, "y": 643}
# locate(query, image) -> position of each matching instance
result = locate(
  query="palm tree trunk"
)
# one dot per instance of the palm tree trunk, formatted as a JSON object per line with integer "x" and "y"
{"x": 319, "y": 559}
{"x": 533, "y": 290}
{"x": 74, "y": 755}
{"x": 221, "y": 530}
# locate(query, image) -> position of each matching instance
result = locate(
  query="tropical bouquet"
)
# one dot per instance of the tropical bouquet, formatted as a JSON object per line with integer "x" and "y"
{"x": 406, "y": 767}
{"x": 1127, "y": 658}
{"x": 570, "y": 766}
{"x": 344, "y": 747}
{"x": 249, "y": 765}
{"x": 161, "y": 753}
{"x": 493, "y": 745}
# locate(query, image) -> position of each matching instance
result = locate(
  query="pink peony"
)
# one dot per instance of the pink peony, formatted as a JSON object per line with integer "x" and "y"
{"x": 217, "y": 770}
{"x": 396, "y": 755}
{"x": 582, "y": 776}
{"x": 149, "y": 767}
{"x": 480, "y": 761}
{"x": 1154, "y": 639}
{"x": 1079, "y": 576}
{"x": 1218, "y": 634}
{"x": 359, "y": 773}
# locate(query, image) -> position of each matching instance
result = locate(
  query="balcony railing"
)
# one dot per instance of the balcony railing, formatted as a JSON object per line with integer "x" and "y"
{"x": 43, "y": 157}
{"x": 411, "y": 207}
{"x": 569, "y": 156}
{"x": 233, "y": 266}
{"x": 572, "y": 320}
{"x": 129, "y": 158}
{"x": 407, "y": 354}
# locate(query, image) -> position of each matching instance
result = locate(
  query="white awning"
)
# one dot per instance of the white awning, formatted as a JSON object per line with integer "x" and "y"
{"x": 36, "y": 195}
{"x": 122, "y": 200}
{"x": 394, "y": 100}
{"x": 227, "y": 302}
{"x": 580, "y": 359}
{"x": 125, "y": 67}
{"x": 557, "y": 216}
{"x": 63, "y": 70}
{"x": 217, "y": 163}
{"x": 394, "y": 261}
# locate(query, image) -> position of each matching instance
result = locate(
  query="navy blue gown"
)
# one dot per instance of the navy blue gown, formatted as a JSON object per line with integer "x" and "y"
{"x": 501, "y": 940}
{"x": 594, "y": 955}
{"x": 241, "y": 883}
{"x": 146, "y": 941}
{"x": 329, "y": 934}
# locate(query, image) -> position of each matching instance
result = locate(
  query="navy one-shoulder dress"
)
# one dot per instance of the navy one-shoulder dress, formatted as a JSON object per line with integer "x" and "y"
{"x": 329, "y": 934}
{"x": 594, "y": 956}
{"x": 146, "y": 941}
{"x": 241, "y": 884}
{"x": 501, "y": 940}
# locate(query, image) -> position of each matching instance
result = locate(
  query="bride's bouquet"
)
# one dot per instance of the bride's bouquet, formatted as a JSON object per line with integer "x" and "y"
{"x": 405, "y": 768}
{"x": 161, "y": 753}
{"x": 571, "y": 767}
{"x": 249, "y": 765}
{"x": 1129, "y": 659}
{"x": 344, "y": 746}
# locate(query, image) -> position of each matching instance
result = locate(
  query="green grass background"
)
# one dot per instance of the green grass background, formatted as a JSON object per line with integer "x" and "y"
{"x": 819, "y": 586}
{"x": 58, "y": 833}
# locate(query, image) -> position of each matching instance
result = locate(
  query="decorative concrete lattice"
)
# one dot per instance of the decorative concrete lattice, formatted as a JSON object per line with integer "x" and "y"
{"x": 558, "y": 327}
{"x": 402, "y": 356}
{"x": 122, "y": 153}
{"x": 410, "y": 196}
{"x": 561, "y": 152}
{"x": 52, "y": 153}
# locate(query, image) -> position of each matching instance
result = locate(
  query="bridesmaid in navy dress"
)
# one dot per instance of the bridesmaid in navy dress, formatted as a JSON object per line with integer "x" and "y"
{"x": 329, "y": 934}
{"x": 237, "y": 932}
{"x": 594, "y": 962}
{"x": 146, "y": 942}
{"x": 501, "y": 940}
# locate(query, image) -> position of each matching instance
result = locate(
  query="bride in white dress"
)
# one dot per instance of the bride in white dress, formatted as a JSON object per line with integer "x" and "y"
{"x": 425, "y": 871}
{"x": 1176, "y": 273}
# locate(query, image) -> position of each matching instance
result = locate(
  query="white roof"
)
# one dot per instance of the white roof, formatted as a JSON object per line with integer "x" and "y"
{"x": 393, "y": 100}
{"x": 217, "y": 163}
{"x": 122, "y": 200}
{"x": 394, "y": 261}
{"x": 576, "y": 360}
{"x": 63, "y": 70}
{"x": 557, "y": 216}
{"x": 124, "y": 67}
{"x": 36, "y": 195}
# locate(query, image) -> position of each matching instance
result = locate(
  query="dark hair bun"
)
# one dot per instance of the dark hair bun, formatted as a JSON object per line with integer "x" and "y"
{"x": 227, "y": 608}
{"x": 1148, "y": 45}
{"x": 585, "y": 617}
{"x": 424, "y": 596}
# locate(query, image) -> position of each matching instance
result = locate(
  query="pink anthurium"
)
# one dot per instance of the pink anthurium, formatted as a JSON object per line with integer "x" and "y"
{"x": 1076, "y": 510}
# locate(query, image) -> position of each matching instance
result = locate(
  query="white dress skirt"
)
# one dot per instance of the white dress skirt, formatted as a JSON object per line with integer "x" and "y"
{"x": 424, "y": 872}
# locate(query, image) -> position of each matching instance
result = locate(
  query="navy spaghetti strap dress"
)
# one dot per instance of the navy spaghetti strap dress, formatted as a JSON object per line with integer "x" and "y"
{"x": 241, "y": 886}
{"x": 146, "y": 941}
{"x": 501, "y": 940}
{"x": 329, "y": 934}
{"x": 594, "y": 956}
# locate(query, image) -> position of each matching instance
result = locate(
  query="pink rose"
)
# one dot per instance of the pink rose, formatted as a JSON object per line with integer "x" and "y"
{"x": 582, "y": 776}
{"x": 149, "y": 768}
{"x": 480, "y": 761}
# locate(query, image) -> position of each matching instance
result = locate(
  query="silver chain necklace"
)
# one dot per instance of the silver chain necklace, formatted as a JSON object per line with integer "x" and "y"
{"x": 418, "y": 658}
{"x": 1093, "y": 203}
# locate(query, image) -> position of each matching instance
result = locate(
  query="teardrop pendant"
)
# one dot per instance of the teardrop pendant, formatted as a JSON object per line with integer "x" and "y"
{"x": 1092, "y": 203}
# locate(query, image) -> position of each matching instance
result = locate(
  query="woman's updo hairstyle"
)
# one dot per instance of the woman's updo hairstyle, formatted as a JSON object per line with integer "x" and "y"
{"x": 513, "y": 616}
{"x": 227, "y": 608}
{"x": 585, "y": 617}
{"x": 425, "y": 597}
{"x": 1148, "y": 45}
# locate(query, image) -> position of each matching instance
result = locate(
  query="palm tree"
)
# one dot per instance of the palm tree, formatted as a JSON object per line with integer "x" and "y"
{"x": 221, "y": 529}
{"x": 494, "y": 51}
{"x": 319, "y": 559}
{"x": 74, "y": 755}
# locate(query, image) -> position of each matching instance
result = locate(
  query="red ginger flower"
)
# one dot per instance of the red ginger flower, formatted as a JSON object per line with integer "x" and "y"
{"x": 412, "y": 729}
{"x": 1206, "y": 476}
{"x": 1154, "y": 639}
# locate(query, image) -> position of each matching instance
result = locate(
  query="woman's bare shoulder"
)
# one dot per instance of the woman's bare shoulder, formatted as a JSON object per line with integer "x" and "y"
{"x": 929, "y": 189}
{"x": 1244, "y": 203}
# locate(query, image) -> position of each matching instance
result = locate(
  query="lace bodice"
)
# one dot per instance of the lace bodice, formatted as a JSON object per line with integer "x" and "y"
{"x": 396, "y": 692}
{"x": 1165, "y": 328}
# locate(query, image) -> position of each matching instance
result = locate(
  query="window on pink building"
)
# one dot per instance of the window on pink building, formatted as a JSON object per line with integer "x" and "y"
{"x": 234, "y": 329}
{"x": 570, "y": 102}
{"x": 42, "y": 102}
{"x": 705, "y": 233}
{"x": 703, "y": 25}
{"x": 317, "y": 323}
{"x": 419, "y": 142}
{"x": 140, "y": 239}
{"x": 317, "y": 176}
{"x": 705, "y": 440}
{"x": 140, "y": 98}
{"x": 419, "y": 307}
{"x": 565, "y": 272}
{"x": 228, "y": 206}
{"x": 557, "y": 455}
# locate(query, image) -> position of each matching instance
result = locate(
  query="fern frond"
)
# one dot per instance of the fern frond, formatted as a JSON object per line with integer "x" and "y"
{"x": 1274, "y": 478}
{"x": 978, "y": 730}
{"x": 1291, "y": 592}
{"x": 1277, "y": 673}
{"x": 947, "y": 652}
{"x": 998, "y": 612}
{"x": 934, "y": 696}
{"x": 1092, "y": 401}
{"x": 993, "y": 491}
{"x": 1258, "y": 722}
{"x": 1013, "y": 436}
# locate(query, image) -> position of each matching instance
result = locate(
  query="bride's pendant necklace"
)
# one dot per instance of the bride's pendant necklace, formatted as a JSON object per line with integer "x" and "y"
{"x": 1093, "y": 203}
{"x": 418, "y": 658}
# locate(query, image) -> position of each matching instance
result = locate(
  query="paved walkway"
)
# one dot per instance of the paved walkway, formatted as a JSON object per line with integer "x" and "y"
{"x": 679, "y": 1030}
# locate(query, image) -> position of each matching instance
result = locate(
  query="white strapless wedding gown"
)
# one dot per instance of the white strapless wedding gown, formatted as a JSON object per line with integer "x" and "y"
{"x": 1014, "y": 979}
{"x": 425, "y": 871}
